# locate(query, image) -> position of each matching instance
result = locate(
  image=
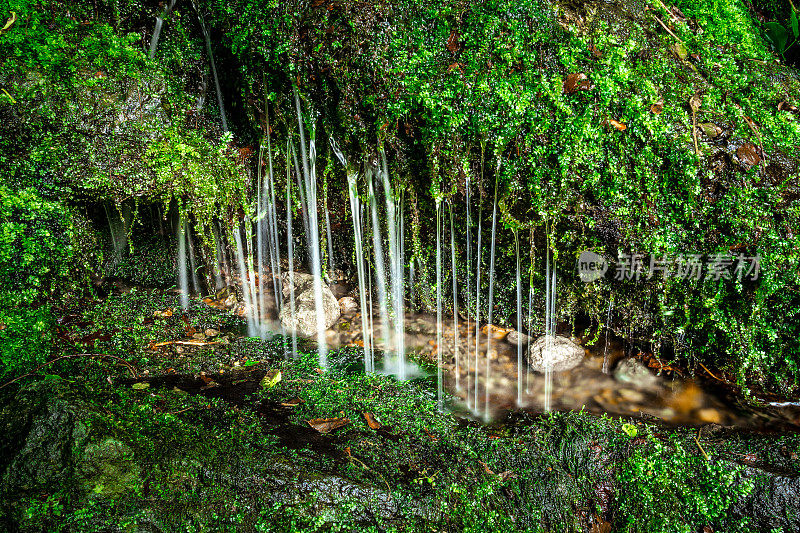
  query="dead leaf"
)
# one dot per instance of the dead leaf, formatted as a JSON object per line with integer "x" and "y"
{"x": 710, "y": 129}
{"x": 786, "y": 106}
{"x": 10, "y": 22}
{"x": 163, "y": 314}
{"x": 618, "y": 125}
{"x": 430, "y": 435}
{"x": 326, "y": 425}
{"x": 680, "y": 51}
{"x": 577, "y": 81}
{"x": 657, "y": 108}
{"x": 695, "y": 102}
{"x": 452, "y": 42}
{"x": 748, "y": 154}
{"x": 486, "y": 469}
{"x": 371, "y": 422}
{"x": 294, "y": 402}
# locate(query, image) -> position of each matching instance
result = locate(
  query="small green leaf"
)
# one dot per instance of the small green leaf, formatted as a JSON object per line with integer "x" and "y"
{"x": 630, "y": 430}
{"x": 794, "y": 23}
{"x": 140, "y": 386}
{"x": 271, "y": 379}
{"x": 777, "y": 35}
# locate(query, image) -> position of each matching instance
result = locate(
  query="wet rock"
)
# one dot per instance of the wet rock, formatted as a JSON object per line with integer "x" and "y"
{"x": 633, "y": 372}
{"x": 304, "y": 319}
{"x": 46, "y": 444}
{"x": 299, "y": 280}
{"x": 348, "y": 305}
{"x": 774, "y": 503}
{"x": 107, "y": 469}
{"x": 516, "y": 338}
{"x": 340, "y": 290}
{"x": 562, "y": 354}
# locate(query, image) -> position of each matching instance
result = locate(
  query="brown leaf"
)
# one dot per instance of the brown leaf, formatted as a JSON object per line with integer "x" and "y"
{"x": 430, "y": 435}
{"x": 452, "y": 42}
{"x": 710, "y": 129}
{"x": 293, "y": 402}
{"x": 577, "y": 81}
{"x": 326, "y": 425}
{"x": 486, "y": 468}
{"x": 748, "y": 154}
{"x": 371, "y": 422}
{"x": 786, "y": 106}
{"x": 657, "y": 108}
{"x": 695, "y": 102}
{"x": 618, "y": 125}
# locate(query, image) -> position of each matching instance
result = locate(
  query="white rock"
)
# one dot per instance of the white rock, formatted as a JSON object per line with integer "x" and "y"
{"x": 559, "y": 354}
{"x": 304, "y": 320}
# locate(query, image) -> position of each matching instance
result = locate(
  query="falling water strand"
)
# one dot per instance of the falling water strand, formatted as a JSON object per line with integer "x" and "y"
{"x": 468, "y": 236}
{"x": 396, "y": 268}
{"x": 477, "y": 308}
{"x": 192, "y": 264}
{"x": 519, "y": 322}
{"x": 531, "y": 264}
{"x": 380, "y": 271}
{"x": 243, "y": 275}
{"x": 356, "y": 212}
{"x": 455, "y": 298}
{"x": 608, "y": 327}
{"x": 310, "y": 178}
{"x": 183, "y": 268}
{"x": 261, "y": 201}
{"x": 273, "y": 239}
{"x": 491, "y": 294}
{"x": 439, "y": 386}
{"x": 290, "y": 249}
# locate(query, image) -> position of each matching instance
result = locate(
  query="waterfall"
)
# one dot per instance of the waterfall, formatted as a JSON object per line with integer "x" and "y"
{"x": 248, "y": 285}
{"x": 310, "y": 179}
{"x": 491, "y": 291}
{"x": 477, "y": 308}
{"x": 290, "y": 247}
{"x": 396, "y": 267}
{"x": 608, "y": 327}
{"x": 183, "y": 268}
{"x": 550, "y": 326}
{"x": 439, "y": 392}
{"x": 468, "y": 233}
{"x": 455, "y": 298}
{"x": 519, "y": 321}
{"x": 380, "y": 272}
{"x": 356, "y": 212}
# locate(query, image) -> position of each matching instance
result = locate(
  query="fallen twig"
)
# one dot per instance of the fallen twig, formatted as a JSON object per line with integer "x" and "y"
{"x": 710, "y": 373}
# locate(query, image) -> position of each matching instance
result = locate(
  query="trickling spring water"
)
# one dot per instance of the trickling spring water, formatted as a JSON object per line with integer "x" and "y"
{"x": 550, "y": 326}
{"x": 356, "y": 212}
{"x": 455, "y": 298}
{"x": 477, "y": 309}
{"x": 183, "y": 268}
{"x": 380, "y": 272}
{"x": 313, "y": 241}
{"x": 491, "y": 292}
{"x": 468, "y": 234}
{"x": 608, "y": 327}
{"x": 290, "y": 248}
{"x": 439, "y": 388}
{"x": 396, "y": 267}
{"x": 519, "y": 321}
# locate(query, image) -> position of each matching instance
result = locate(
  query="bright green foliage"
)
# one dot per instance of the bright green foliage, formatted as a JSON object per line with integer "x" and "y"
{"x": 664, "y": 489}
{"x": 35, "y": 252}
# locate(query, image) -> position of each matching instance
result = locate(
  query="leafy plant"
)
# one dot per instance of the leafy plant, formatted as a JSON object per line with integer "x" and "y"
{"x": 779, "y": 34}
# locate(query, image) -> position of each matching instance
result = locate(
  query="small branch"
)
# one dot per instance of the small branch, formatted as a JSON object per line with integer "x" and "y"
{"x": 666, "y": 28}
{"x": 710, "y": 373}
{"x": 696, "y": 440}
